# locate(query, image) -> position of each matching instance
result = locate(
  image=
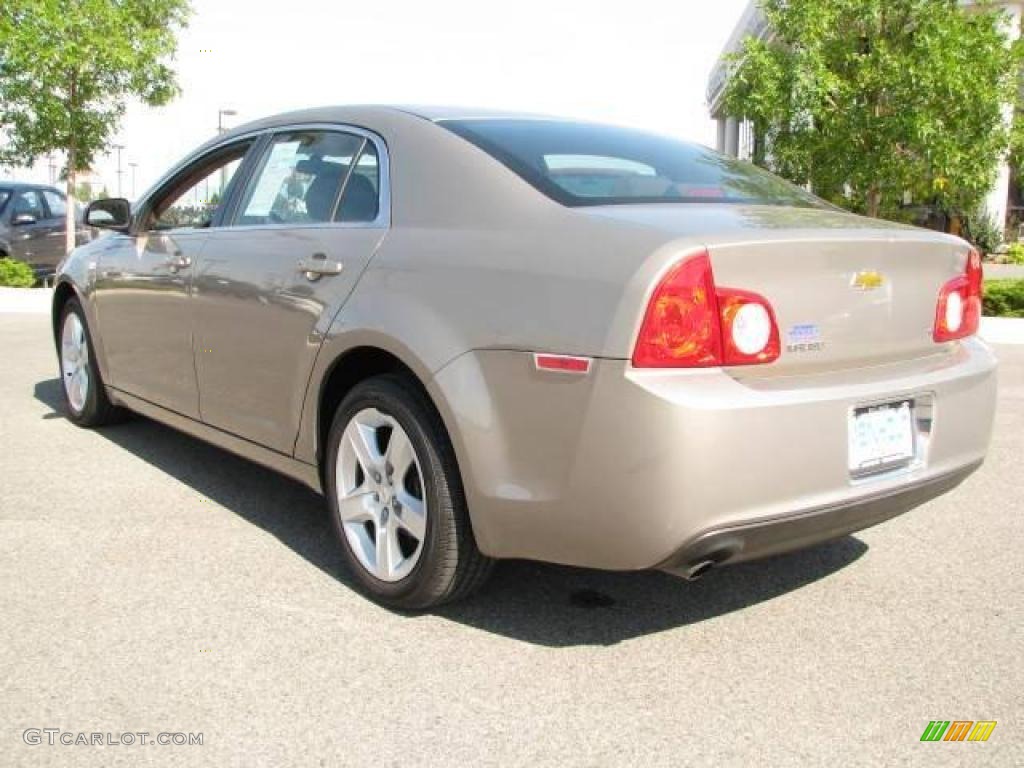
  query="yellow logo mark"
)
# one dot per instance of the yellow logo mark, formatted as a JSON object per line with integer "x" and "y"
{"x": 868, "y": 280}
{"x": 982, "y": 730}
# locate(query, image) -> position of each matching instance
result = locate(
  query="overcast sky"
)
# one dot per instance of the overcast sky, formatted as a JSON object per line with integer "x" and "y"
{"x": 637, "y": 62}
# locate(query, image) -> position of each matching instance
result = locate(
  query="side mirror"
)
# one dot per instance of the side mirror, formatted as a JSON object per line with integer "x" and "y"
{"x": 21, "y": 219}
{"x": 111, "y": 213}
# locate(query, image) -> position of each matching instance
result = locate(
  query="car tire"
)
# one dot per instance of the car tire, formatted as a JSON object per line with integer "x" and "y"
{"x": 84, "y": 393}
{"x": 396, "y": 498}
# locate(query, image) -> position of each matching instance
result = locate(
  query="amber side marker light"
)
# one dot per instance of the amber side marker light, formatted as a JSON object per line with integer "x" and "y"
{"x": 562, "y": 363}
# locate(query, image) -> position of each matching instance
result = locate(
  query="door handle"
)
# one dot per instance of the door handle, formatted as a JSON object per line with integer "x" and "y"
{"x": 178, "y": 261}
{"x": 318, "y": 266}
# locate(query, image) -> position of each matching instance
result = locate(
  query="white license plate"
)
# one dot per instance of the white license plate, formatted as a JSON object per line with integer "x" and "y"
{"x": 881, "y": 437}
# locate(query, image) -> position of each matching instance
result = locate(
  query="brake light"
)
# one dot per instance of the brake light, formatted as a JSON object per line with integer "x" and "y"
{"x": 689, "y": 323}
{"x": 958, "y": 312}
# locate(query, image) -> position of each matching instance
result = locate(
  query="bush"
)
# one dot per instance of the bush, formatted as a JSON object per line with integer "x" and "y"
{"x": 1004, "y": 298}
{"x": 16, "y": 274}
{"x": 1015, "y": 253}
{"x": 983, "y": 231}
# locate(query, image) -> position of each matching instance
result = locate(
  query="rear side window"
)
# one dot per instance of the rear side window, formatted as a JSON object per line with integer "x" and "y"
{"x": 585, "y": 164}
{"x": 309, "y": 177}
{"x": 5, "y": 195}
{"x": 361, "y": 199}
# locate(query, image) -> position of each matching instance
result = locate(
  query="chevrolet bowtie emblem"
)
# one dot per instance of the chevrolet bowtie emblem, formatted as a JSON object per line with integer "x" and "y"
{"x": 868, "y": 280}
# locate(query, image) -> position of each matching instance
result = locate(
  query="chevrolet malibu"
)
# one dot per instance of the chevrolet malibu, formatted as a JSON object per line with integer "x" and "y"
{"x": 488, "y": 336}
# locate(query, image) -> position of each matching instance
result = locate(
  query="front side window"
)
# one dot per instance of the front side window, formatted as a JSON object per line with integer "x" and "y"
{"x": 585, "y": 164}
{"x": 192, "y": 200}
{"x": 27, "y": 204}
{"x": 311, "y": 177}
{"x": 55, "y": 203}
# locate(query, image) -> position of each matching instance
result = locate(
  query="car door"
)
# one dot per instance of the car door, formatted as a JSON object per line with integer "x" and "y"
{"x": 144, "y": 282}
{"x": 28, "y": 228}
{"x": 266, "y": 288}
{"x": 53, "y": 247}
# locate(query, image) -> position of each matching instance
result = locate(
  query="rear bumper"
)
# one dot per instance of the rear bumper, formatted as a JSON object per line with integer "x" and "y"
{"x": 624, "y": 469}
{"x": 765, "y": 537}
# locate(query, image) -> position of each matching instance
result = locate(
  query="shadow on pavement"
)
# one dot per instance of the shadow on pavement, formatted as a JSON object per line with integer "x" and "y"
{"x": 536, "y": 603}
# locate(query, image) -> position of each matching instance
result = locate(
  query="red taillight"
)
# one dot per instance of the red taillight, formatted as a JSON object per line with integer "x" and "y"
{"x": 691, "y": 324}
{"x": 958, "y": 312}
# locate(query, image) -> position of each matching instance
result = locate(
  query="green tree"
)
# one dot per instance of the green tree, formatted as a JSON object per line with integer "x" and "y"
{"x": 83, "y": 193}
{"x": 67, "y": 68}
{"x": 866, "y": 100}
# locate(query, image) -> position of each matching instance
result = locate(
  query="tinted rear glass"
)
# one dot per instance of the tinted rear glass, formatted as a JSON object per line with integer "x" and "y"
{"x": 5, "y": 195}
{"x": 586, "y": 164}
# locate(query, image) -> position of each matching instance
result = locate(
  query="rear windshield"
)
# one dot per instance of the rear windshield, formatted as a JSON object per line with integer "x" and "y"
{"x": 5, "y": 195}
{"x": 586, "y": 164}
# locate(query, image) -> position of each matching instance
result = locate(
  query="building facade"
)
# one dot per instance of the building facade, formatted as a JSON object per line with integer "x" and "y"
{"x": 736, "y": 137}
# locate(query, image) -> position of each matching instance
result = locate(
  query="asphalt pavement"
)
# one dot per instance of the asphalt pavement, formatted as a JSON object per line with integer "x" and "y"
{"x": 150, "y": 583}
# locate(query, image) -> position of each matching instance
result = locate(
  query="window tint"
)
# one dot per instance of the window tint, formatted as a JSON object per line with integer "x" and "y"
{"x": 192, "y": 201}
{"x": 585, "y": 164}
{"x": 5, "y": 195}
{"x": 361, "y": 199}
{"x": 55, "y": 203}
{"x": 28, "y": 202}
{"x": 300, "y": 179}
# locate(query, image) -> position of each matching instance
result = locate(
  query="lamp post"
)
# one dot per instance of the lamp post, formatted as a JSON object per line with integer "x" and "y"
{"x": 133, "y": 166}
{"x": 118, "y": 148}
{"x": 221, "y": 114}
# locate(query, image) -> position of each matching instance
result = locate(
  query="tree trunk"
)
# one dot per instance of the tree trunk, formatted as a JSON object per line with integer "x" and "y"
{"x": 70, "y": 217}
{"x": 874, "y": 202}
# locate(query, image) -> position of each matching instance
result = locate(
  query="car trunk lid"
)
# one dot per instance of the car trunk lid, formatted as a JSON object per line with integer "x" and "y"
{"x": 847, "y": 291}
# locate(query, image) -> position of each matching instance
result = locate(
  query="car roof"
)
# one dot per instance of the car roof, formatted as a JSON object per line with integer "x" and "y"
{"x": 364, "y": 113}
{"x": 23, "y": 185}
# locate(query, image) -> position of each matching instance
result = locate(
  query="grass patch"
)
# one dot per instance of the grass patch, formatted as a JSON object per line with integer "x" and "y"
{"x": 1004, "y": 298}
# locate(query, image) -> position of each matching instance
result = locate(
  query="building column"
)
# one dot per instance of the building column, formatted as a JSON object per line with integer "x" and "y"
{"x": 732, "y": 137}
{"x": 997, "y": 201}
{"x": 720, "y": 142}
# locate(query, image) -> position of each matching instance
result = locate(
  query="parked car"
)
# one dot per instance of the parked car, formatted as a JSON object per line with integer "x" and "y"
{"x": 484, "y": 336}
{"x": 32, "y": 225}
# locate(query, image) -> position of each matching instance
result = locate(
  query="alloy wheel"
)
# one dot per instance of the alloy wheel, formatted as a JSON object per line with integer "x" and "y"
{"x": 381, "y": 500}
{"x": 74, "y": 361}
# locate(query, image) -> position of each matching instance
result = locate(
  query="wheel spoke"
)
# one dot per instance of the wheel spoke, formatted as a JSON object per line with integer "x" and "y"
{"x": 363, "y": 439}
{"x": 83, "y": 385}
{"x": 400, "y": 454}
{"x": 413, "y": 517}
{"x": 354, "y": 508}
{"x": 388, "y": 553}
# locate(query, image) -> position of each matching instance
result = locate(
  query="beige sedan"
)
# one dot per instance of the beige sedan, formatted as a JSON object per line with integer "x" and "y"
{"x": 488, "y": 336}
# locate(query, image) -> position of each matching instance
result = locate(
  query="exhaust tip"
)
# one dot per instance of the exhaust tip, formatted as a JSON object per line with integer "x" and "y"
{"x": 694, "y": 571}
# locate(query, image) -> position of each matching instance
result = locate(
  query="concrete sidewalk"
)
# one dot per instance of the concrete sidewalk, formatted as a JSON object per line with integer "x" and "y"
{"x": 26, "y": 300}
{"x": 1004, "y": 271}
